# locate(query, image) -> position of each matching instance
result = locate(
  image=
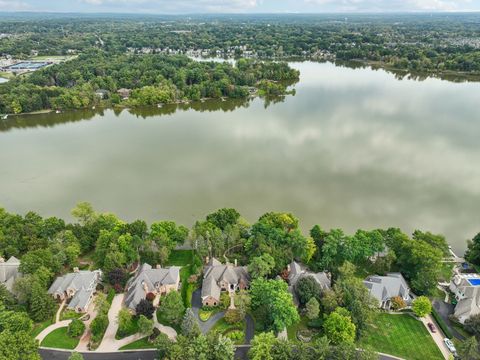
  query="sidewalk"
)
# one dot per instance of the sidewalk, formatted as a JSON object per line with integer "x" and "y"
{"x": 437, "y": 337}
{"x": 109, "y": 342}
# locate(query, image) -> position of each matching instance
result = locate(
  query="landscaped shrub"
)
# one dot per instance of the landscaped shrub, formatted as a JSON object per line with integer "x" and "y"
{"x": 110, "y": 296}
{"x": 150, "y": 296}
{"x": 233, "y": 316}
{"x": 398, "y": 303}
{"x": 145, "y": 308}
{"x": 118, "y": 288}
{"x": 98, "y": 327}
{"x": 235, "y": 335}
{"x": 224, "y": 300}
{"x": 125, "y": 320}
{"x": 76, "y": 328}
{"x": 117, "y": 276}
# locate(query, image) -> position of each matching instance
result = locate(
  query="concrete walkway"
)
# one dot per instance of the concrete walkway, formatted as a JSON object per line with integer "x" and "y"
{"x": 109, "y": 342}
{"x": 437, "y": 337}
{"x": 85, "y": 339}
{"x": 52, "y": 327}
{"x": 59, "y": 311}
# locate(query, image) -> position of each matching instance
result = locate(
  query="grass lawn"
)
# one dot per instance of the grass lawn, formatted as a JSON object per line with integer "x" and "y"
{"x": 236, "y": 332}
{"x": 139, "y": 344}
{"x": 70, "y": 314}
{"x": 401, "y": 335}
{"x": 60, "y": 339}
{"x": 39, "y": 327}
{"x": 180, "y": 258}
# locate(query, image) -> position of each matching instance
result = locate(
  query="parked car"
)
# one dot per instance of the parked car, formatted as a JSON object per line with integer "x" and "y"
{"x": 450, "y": 345}
{"x": 432, "y": 327}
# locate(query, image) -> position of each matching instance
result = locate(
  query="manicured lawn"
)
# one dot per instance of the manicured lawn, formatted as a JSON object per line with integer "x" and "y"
{"x": 139, "y": 344}
{"x": 39, "y": 327}
{"x": 180, "y": 258}
{"x": 401, "y": 335}
{"x": 60, "y": 339}
{"x": 165, "y": 322}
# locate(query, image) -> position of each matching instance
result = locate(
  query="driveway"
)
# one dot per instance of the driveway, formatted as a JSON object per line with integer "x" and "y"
{"x": 49, "y": 329}
{"x": 444, "y": 310}
{"x": 50, "y": 354}
{"x": 108, "y": 342}
{"x": 205, "y": 326}
{"x": 437, "y": 336}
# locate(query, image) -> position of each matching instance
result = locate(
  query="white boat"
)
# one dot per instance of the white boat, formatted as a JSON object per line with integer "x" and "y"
{"x": 57, "y": 112}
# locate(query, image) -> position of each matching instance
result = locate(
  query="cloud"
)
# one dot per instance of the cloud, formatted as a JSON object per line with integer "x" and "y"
{"x": 390, "y": 5}
{"x": 13, "y": 5}
{"x": 179, "y": 5}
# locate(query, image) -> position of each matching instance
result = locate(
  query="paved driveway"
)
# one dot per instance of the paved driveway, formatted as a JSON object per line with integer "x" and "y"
{"x": 47, "y": 354}
{"x": 108, "y": 342}
{"x": 444, "y": 310}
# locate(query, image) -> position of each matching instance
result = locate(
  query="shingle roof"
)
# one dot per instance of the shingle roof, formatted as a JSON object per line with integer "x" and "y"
{"x": 149, "y": 278}
{"x": 75, "y": 281}
{"x": 215, "y": 272}
{"x": 384, "y": 288}
{"x": 9, "y": 272}
{"x": 297, "y": 271}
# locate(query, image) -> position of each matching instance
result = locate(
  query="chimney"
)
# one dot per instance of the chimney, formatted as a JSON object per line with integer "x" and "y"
{"x": 76, "y": 269}
{"x": 235, "y": 262}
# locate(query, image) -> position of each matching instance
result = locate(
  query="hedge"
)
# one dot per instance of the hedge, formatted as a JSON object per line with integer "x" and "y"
{"x": 442, "y": 324}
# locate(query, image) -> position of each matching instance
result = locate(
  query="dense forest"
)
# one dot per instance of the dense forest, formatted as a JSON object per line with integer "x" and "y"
{"x": 150, "y": 79}
{"x": 420, "y": 42}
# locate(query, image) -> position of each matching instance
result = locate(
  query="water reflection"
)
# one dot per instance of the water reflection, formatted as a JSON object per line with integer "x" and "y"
{"x": 355, "y": 148}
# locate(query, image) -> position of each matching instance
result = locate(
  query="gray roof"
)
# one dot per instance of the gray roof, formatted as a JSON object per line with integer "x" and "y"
{"x": 150, "y": 278}
{"x": 469, "y": 305}
{"x": 80, "y": 299}
{"x": 383, "y": 288}
{"x": 9, "y": 272}
{"x": 75, "y": 281}
{"x": 215, "y": 272}
{"x": 298, "y": 271}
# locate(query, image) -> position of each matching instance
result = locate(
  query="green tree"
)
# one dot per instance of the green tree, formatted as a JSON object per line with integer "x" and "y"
{"x": 172, "y": 307}
{"x": 14, "y": 321}
{"x": 223, "y": 218}
{"x": 190, "y": 327}
{"x": 472, "y": 324}
{"x": 18, "y": 346}
{"x": 469, "y": 349}
{"x": 312, "y": 309}
{"x": 272, "y": 299}
{"x": 339, "y": 328}
{"x": 261, "y": 266}
{"x": 76, "y": 328}
{"x": 306, "y": 288}
{"x": 84, "y": 213}
{"x": 422, "y": 306}
{"x": 124, "y": 319}
{"x": 473, "y": 250}
{"x": 262, "y": 346}
{"x": 145, "y": 326}
{"x": 41, "y": 305}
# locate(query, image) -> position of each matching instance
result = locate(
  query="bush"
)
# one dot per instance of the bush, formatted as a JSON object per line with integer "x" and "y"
{"x": 98, "y": 327}
{"x": 76, "y": 328}
{"x": 442, "y": 324}
{"x": 233, "y": 316}
{"x": 145, "y": 308}
{"x": 224, "y": 300}
{"x": 110, "y": 296}
{"x": 118, "y": 288}
{"x": 117, "y": 276}
{"x": 150, "y": 297}
{"x": 235, "y": 335}
{"x": 398, "y": 303}
{"x": 422, "y": 306}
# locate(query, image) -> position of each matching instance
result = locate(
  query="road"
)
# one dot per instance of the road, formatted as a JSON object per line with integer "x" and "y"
{"x": 47, "y": 354}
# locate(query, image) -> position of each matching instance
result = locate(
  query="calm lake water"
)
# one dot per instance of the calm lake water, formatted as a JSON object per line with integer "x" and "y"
{"x": 353, "y": 149}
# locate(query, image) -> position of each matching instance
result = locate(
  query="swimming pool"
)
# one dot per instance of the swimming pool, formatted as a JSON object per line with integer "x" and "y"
{"x": 474, "y": 282}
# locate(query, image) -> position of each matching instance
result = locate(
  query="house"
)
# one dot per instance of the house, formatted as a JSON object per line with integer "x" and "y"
{"x": 147, "y": 280}
{"x": 466, "y": 288}
{"x": 298, "y": 271}
{"x": 78, "y": 287}
{"x": 384, "y": 288}
{"x": 124, "y": 93}
{"x": 9, "y": 272}
{"x": 102, "y": 94}
{"x": 218, "y": 277}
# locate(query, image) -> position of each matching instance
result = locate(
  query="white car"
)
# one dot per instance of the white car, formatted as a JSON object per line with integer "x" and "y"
{"x": 450, "y": 345}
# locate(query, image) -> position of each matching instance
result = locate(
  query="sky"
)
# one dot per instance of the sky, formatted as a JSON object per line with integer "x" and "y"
{"x": 238, "y": 6}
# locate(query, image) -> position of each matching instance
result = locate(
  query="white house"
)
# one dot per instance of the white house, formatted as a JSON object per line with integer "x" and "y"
{"x": 466, "y": 288}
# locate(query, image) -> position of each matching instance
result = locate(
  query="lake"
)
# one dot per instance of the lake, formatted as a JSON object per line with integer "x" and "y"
{"x": 354, "y": 148}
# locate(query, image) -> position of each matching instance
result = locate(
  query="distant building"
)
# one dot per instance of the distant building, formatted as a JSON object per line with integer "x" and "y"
{"x": 466, "y": 288}
{"x": 79, "y": 287}
{"x": 157, "y": 281}
{"x": 101, "y": 93}
{"x": 9, "y": 272}
{"x": 124, "y": 93}
{"x": 384, "y": 288}
{"x": 298, "y": 271}
{"x": 218, "y": 277}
